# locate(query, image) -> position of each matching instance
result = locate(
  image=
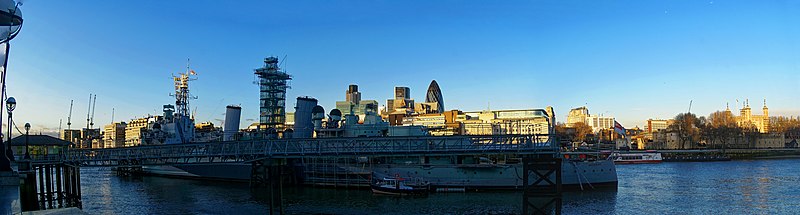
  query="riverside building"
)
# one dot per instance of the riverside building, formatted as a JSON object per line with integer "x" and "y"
{"x": 114, "y": 135}
{"x": 581, "y": 114}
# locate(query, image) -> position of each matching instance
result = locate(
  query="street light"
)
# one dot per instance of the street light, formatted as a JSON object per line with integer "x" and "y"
{"x": 10, "y": 24}
{"x": 11, "y": 104}
{"x": 27, "y": 128}
{"x": 7, "y": 156}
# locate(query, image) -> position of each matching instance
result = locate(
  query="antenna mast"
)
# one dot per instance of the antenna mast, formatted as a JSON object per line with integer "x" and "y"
{"x": 182, "y": 95}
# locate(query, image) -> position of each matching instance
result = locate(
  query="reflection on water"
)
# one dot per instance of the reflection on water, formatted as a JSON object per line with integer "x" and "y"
{"x": 744, "y": 187}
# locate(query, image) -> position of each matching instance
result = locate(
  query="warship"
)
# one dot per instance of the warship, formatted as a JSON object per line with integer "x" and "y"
{"x": 443, "y": 173}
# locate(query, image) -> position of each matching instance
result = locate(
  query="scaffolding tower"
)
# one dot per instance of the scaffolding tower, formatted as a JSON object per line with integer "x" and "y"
{"x": 273, "y": 84}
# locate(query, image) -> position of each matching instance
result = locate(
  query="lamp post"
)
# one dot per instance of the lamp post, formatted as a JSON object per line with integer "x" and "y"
{"x": 27, "y": 128}
{"x": 10, "y": 24}
{"x": 7, "y": 155}
{"x": 11, "y": 104}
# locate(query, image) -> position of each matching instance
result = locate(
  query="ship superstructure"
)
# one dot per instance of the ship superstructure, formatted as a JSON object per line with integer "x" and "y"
{"x": 175, "y": 125}
{"x": 310, "y": 121}
{"x": 272, "y": 82}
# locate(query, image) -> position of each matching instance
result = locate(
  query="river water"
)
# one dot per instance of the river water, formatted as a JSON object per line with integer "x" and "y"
{"x": 740, "y": 187}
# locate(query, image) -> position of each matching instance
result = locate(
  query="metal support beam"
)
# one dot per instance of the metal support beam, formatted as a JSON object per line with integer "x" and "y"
{"x": 542, "y": 186}
{"x": 269, "y": 174}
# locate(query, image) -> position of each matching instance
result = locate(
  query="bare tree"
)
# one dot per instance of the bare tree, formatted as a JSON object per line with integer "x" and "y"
{"x": 721, "y": 127}
{"x": 581, "y": 131}
{"x": 688, "y": 127}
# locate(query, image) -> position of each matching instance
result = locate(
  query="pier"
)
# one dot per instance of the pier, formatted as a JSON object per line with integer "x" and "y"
{"x": 269, "y": 159}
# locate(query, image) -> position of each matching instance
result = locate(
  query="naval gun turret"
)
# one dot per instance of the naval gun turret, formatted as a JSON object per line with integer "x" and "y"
{"x": 317, "y": 115}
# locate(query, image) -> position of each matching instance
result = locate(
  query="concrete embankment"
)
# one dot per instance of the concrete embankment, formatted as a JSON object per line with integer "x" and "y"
{"x": 728, "y": 154}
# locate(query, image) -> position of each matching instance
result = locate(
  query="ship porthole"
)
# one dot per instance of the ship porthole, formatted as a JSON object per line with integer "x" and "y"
{"x": 501, "y": 173}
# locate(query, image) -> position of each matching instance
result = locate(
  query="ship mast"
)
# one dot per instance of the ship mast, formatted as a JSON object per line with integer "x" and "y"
{"x": 182, "y": 95}
{"x": 182, "y": 98}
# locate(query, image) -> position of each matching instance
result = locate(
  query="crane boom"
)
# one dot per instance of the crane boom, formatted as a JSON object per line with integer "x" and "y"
{"x": 94, "y": 102}
{"x": 69, "y": 118}
{"x": 89, "y": 111}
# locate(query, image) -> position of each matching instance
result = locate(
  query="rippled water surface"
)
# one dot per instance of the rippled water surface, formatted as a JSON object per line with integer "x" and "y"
{"x": 739, "y": 187}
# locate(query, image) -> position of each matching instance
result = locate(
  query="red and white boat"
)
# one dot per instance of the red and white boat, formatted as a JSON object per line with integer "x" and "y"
{"x": 648, "y": 156}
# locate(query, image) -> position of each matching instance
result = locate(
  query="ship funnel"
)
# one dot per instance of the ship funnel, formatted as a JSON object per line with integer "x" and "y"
{"x": 233, "y": 114}
{"x": 303, "y": 126}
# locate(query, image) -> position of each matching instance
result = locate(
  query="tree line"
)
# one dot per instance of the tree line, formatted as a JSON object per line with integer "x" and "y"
{"x": 720, "y": 127}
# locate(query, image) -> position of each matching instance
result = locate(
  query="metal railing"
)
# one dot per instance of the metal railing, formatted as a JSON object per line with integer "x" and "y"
{"x": 246, "y": 151}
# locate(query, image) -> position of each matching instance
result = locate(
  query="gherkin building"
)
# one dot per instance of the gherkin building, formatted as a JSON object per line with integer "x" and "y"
{"x": 435, "y": 95}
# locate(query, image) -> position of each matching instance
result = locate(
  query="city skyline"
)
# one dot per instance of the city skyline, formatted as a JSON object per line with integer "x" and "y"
{"x": 528, "y": 56}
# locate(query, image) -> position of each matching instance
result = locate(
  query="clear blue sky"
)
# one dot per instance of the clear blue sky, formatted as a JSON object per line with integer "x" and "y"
{"x": 633, "y": 60}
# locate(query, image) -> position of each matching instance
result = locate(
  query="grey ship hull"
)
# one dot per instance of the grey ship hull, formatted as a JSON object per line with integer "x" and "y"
{"x": 575, "y": 175}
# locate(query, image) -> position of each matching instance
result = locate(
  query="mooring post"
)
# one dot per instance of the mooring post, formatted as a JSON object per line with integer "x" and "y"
{"x": 275, "y": 181}
{"x": 59, "y": 194}
{"x": 27, "y": 190}
{"x": 269, "y": 173}
{"x": 41, "y": 189}
{"x": 49, "y": 184}
{"x": 78, "y": 185}
{"x": 278, "y": 180}
{"x": 68, "y": 186}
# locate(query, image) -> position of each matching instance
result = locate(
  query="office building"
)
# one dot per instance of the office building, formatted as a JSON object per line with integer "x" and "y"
{"x": 353, "y": 103}
{"x": 114, "y": 135}
{"x": 434, "y": 97}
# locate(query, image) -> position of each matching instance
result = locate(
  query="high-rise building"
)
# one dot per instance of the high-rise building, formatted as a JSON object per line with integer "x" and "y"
{"x": 402, "y": 102}
{"x": 273, "y": 85}
{"x": 352, "y": 94}
{"x": 654, "y": 125}
{"x": 581, "y": 114}
{"x": 401, "y": 93}
{"x": 577, "y": 115}
{"x": 91, "y": 138}
{"x": 434, "y": 95}
{"x": 72, "y": 135}
{"x": 135, "y": 130}
{"x": 599, "y": 122}
{"x": 114, "y": 135}
{"x": 353, "y": 103}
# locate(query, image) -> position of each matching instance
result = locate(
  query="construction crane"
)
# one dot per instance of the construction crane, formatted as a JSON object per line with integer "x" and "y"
{"x": 89, "y": 111}
{"x": 69, "y": 118}
{"x": 94, "y": 102}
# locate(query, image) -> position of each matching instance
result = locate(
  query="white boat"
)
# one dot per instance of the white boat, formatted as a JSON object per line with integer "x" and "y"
{"x": 648, "y": 156}
{"x": 399, "y": 186}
